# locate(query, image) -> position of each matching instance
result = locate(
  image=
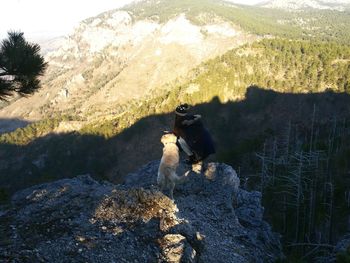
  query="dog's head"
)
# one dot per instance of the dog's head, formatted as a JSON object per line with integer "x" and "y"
{"x": 168, "y": 138}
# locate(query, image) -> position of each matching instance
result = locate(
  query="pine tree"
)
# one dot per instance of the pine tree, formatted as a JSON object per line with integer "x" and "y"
{"x": 21, "y": 65}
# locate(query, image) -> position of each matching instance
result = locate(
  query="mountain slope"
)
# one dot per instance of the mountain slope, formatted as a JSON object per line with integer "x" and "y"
{"x": 114, "y": 58}
{"x": 122, "y": 56}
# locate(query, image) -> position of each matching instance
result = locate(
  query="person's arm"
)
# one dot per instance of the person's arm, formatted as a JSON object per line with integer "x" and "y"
{"x": 191, "y": 121}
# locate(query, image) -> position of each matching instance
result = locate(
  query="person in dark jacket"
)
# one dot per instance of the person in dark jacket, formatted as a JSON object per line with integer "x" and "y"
{"x": 193, "y": 138}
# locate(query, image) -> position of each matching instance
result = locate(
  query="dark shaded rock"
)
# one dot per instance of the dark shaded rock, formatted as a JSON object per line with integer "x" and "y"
{"x": 340, "y": 253}
{"x": 81, "y": 220}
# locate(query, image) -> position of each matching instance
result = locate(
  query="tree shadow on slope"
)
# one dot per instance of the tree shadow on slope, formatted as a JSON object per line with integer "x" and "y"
{"x": 239, "y": 130}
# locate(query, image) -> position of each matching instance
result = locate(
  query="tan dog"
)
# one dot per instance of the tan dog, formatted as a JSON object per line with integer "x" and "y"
{"x": 167, "y": 176}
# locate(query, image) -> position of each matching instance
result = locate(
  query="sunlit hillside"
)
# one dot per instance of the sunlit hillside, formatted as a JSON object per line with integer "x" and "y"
{"x": 129, "y": 54}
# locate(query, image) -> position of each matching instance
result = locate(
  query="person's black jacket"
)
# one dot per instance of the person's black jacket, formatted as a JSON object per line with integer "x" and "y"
{"x": 198, "y": 138}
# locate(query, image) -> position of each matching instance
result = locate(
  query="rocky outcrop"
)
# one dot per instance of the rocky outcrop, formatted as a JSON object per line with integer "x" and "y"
{"x": 82, "y": 220}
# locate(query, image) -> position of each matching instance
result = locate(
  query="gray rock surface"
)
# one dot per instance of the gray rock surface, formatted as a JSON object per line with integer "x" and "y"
{"x": 82, "y": 220}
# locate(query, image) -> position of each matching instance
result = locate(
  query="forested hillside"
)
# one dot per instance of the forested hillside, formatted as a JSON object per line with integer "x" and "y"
{"x": 277, "y": 64}
{"x": 281, "y": 65}
{"x": 92, "y": 74}
{"x": 328, "y": 25}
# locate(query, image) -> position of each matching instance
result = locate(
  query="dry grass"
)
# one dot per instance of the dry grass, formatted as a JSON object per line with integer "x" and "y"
{"x": 137, "y": 204}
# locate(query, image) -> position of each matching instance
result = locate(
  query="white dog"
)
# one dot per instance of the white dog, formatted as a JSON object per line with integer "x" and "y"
{"x": 167, "y": 176}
